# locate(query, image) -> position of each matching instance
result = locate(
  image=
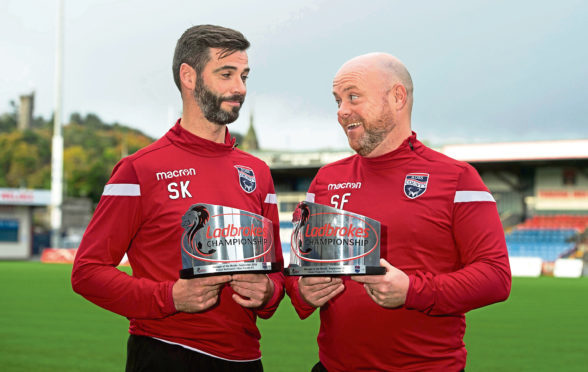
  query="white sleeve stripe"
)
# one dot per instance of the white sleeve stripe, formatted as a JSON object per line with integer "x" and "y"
{"x": 310, "y": 197}
{"x": 122, "y": 189}
{"x": 271, "y": 199}
{"x": 473, "y": 196}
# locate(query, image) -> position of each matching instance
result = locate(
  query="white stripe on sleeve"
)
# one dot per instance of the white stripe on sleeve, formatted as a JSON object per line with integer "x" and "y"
{"x": 122, "y": 189}
{"x": 271, "y": 199}
{"x": 473, "y": 196}
{"x": 310, "y": 197}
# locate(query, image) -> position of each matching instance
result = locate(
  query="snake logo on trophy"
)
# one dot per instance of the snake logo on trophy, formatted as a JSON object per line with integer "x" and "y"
{"x": 192, "y": 221}
{"x": 330, "y": 241}
{"x": 300, "y": 220}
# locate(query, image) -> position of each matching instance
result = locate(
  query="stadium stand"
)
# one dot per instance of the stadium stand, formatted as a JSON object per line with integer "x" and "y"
{"x": 548, "y": 237}
{"x": 285, "y": 233}
{"x": 557, "y": 221}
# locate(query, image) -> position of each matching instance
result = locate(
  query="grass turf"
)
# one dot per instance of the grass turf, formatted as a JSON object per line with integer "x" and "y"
{"x": 44, "y": 326}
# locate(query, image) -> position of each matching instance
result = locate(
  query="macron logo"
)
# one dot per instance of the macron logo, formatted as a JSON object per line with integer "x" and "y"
{"x": 344, "y": 185}
{"x": 175, "y": 173}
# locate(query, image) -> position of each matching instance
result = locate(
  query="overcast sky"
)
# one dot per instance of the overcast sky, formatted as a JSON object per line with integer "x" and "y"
{"x": 483, "y": 71}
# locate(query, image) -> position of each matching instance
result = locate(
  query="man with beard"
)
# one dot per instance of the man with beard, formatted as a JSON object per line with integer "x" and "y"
{"x": 442, "y": 242}
{"x": 205, "y": 323}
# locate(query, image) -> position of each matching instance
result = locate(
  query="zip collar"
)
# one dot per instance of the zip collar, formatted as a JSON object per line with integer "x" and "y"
{"x": 198, "y": 145}
{"x": 401, "y": 155}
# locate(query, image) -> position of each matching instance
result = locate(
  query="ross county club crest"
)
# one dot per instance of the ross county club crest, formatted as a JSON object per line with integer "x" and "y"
{"x": 415, "y": 184}
{"x": 246, "y": 178}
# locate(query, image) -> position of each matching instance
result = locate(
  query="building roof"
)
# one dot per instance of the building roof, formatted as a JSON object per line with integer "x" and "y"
{"x": 516, "y": 151}
{"x": 502, "y": 152}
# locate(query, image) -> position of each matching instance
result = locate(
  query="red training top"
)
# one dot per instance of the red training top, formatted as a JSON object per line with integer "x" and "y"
{"x": 441, "y": 227}
{"x": 140, "y": 213}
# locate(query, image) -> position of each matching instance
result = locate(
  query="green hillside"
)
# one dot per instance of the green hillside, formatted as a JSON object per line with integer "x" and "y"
{"x": 91, "y": 149}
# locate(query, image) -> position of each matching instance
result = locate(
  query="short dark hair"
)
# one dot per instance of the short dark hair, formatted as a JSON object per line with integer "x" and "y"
{"x": 194, "y": 45}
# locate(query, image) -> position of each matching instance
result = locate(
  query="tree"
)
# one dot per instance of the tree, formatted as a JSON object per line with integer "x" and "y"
{"x": 92, "y": 148}
{"x": 8, "y": 121}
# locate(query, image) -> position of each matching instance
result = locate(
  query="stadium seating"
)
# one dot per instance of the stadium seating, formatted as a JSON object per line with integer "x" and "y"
{"x": 546, "y": 237}
{"x": 285, "y": 233}
{"x": 578, "y": 222}
{"x": 541, "y": 235}
{"x": 546, "y": 251}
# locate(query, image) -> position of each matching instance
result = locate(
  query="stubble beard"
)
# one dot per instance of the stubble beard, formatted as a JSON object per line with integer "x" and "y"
{"x": 374, "y": 134}
{"x": 210, "y": 104}
{"x": 369, "y": 141}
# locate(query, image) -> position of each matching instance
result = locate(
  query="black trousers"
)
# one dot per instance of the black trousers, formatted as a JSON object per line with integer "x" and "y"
{"x": 319, "y": 367}
{"x": 149, "y": 354}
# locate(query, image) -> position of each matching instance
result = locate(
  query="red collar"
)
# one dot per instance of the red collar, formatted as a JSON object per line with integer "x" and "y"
{"x": 201, "y": 146}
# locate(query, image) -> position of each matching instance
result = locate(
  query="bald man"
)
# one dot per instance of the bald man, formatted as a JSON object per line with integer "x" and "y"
{"x": 442, "y": 241}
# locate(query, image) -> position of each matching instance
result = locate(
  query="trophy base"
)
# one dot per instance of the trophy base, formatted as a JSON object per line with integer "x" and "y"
{"x": 326, "y": 270}
{"x": 230, "y": 268}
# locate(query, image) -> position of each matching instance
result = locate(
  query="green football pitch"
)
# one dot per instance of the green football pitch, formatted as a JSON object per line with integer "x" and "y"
{"x": 44, "y": 326}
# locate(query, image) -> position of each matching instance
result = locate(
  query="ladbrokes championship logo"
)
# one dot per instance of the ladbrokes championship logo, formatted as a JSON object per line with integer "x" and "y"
{"x": 219, "y": 239}
{"x": 331, "y": 241}
{"x": 229, "y": 235}
{"x": 338, "y": 235}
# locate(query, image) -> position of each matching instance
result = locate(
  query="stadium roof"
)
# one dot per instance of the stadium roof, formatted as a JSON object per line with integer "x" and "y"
{"x": 504, "y": 152}
{"x": 516, "y": 151}
{"x": 301, "y": 159}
